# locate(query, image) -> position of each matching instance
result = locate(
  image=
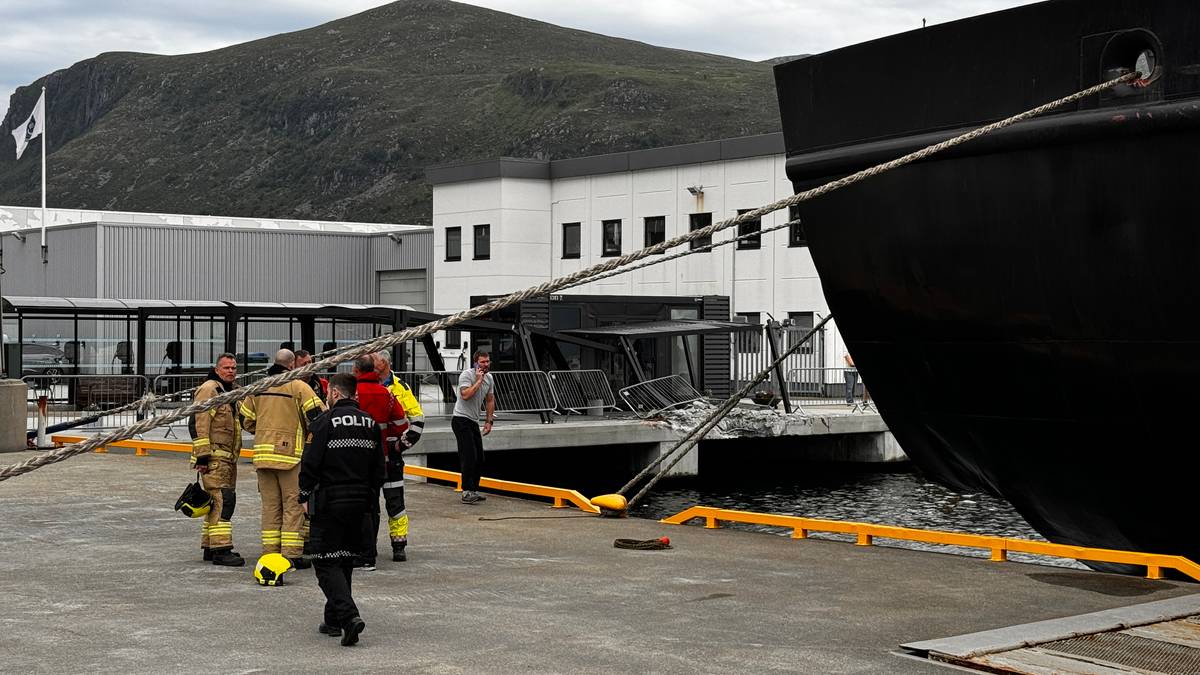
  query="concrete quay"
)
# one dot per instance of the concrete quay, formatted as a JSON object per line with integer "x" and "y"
{"x": 97, "y": 573}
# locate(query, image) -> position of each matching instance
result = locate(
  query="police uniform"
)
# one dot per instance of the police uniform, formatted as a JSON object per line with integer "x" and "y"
{"x": 340, "y": 476}
{"x": 279, "y": 419}
{"x": 216, "y": 443}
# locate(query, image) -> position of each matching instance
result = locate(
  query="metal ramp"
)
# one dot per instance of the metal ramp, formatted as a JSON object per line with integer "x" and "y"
{"x": 1157, "y": 637}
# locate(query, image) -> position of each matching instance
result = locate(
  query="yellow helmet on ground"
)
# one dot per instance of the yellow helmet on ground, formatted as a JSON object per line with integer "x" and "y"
{"x": 194, "y": 502}
{"x": 270, "y": 569}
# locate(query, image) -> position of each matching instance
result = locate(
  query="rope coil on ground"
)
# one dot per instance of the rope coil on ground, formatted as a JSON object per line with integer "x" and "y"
{"x": 660, "y": 544}
{"x": 392, "y": 339}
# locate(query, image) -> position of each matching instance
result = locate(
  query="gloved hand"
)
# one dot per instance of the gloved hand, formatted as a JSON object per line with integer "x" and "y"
{"x": 411, "y": 437}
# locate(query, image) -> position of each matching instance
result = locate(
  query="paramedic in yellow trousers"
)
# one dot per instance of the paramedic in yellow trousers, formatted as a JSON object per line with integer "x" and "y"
{"x": 216, "y": 444}
{"x": 279, "y": 418}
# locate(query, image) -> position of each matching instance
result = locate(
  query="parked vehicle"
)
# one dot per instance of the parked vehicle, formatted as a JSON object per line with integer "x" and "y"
{"x": 39, "y": 359}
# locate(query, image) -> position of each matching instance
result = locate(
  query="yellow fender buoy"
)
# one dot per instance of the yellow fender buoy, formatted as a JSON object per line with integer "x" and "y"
{"x": 613, "y": 505}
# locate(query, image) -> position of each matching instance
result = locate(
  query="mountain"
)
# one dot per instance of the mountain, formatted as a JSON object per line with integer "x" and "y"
{"x": 339, "y": 121}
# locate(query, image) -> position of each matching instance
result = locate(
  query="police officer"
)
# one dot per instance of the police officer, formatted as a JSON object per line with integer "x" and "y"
{"x": 216, "y": 443}
{"x": 279, "y": 419}
{"x": 340, "y": 477}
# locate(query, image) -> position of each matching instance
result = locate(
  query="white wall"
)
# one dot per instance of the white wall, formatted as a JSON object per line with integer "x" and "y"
{"x": 527, "y": 247}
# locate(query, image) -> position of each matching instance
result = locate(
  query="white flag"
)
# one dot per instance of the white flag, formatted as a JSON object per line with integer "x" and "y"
{"x": 33, "y": 126}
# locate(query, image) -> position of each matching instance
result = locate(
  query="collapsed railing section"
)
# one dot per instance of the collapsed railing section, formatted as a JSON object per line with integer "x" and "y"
{"x": 653, "y": 397}
{"x": 582, "y": 391}
{"x": 999, "y": 547}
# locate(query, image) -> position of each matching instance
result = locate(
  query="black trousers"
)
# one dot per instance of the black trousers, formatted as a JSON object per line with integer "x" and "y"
{"x": 470, "y": 450}
{"x": 393, "y": 499}
{"x": 333, "y": 576}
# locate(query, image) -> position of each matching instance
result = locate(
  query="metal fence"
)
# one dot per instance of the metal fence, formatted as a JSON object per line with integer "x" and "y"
{"x": 516, "y": 391}
{"x": 76, "y": 397}
{"x": 582, "y": 391}
{"x": 826, "y": 386}
{"x": 652, "y": 397}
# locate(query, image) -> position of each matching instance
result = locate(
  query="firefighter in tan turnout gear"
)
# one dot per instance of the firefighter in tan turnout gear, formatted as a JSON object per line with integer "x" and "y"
{"x": 216, "y": 443}
{"x": 279, "y": 419}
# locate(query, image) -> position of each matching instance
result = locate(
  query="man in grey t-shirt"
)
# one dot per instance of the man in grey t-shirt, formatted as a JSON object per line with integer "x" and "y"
{"x": 473, "y": 395}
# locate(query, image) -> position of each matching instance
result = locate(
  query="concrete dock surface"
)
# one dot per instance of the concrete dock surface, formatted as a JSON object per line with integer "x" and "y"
{"x": 98, "y": 573}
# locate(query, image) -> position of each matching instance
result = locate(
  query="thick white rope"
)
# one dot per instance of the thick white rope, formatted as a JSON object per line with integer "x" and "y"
{"x": 386, "y": 341}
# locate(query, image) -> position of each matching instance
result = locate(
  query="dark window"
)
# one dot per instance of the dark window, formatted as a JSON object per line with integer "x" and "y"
{"x": 796, "y": 236}
{"x": 749, "y": 228}
{"x": 697, "y": 221}
{"x": 483, "y": 242}
{"x": 610, "y": 241}
{"x": 453, "y": 244}
{"x": 801, "y": 323}
{"x": 656, "y": 231}
{"x": 453, "y": 339}
{"x": 749, "y": 341}
{"x": 570, "y": 240}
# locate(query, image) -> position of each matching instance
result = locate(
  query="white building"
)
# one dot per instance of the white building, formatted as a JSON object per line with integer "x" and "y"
{"x": 504, "y": 224}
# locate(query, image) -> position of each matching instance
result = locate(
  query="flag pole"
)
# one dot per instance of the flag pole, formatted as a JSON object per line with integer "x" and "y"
{"x": 45, "y": 120}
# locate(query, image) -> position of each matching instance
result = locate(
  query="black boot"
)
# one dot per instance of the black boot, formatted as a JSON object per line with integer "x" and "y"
{"x": 300, "y": 563}
{"x": 353, "y": 628}
{"x": 226, "y": 557}
{"x": 331, "y": 631}
{"x": 207, "y": 553}
{"x": 398, "y": 554}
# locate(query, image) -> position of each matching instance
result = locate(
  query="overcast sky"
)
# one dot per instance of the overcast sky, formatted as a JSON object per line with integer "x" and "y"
{"x": 41, "y": 37}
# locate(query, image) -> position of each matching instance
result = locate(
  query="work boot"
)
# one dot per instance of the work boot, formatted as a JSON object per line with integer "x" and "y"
{"x": 469, "y": 497}
{"x": 331, "y": 631}
{"x": 226, "y": 557}
{"x": 208, "y": 555}
{"x": 398, "y": 554}
{"x": 300, "y": 563}
{"x": 353, "y": 628}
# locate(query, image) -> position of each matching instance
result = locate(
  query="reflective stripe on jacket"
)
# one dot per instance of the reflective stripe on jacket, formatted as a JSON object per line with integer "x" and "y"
{"x": 218, "y": 434}
{"x": 279, "y": 418}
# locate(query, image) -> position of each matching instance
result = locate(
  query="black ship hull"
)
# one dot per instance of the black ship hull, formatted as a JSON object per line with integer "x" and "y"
{"x": 1024, "y": 310}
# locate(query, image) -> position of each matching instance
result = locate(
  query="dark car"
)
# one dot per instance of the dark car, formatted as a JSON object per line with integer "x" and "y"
{"x": 38, "y": 359}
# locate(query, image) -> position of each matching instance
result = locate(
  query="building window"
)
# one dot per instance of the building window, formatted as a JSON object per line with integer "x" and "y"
{"x": 697, "y": 221}
{"x": 610, "y": 238}
{"x": 483, "y": 242}
{"x": 453, "y": 244}
{"x": 570, "y": 240}
{"x": 453, "y": 339}
{"x": 656, "y": 231}
{"x": 800, "y": 324}
{"x": 796, "y": 236}
{"x": 749, "y": 227}
{"x": 749, "y": 341}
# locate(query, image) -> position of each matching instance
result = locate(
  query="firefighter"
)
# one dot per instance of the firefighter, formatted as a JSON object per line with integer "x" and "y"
{"x": 340, "y": 476}
{"x": 216, "y": 443}
{"x": 315, "y": 382}
{"x": 279, "y": 419}
{"x": 412, "y": 407}
{"x": 387, "y": 412}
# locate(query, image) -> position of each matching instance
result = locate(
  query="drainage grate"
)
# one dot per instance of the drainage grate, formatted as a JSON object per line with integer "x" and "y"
{"x": 1131, "y": 651}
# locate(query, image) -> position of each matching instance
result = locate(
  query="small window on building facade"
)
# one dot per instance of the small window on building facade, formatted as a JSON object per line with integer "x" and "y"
{"x": 571, "y": 240}
{"x": 749, "y": 228}
{"x": 748, "y": 341}
{"x": 453, "y": 339}
{"x": 483, "y": 242}
{"x": 453, "y": 244}
{"x": 796, "y": 236}
{"x": 610, "y": 241}
{"x": 697, "y": 221}
{"x": 656, "y": 231}
{"x": 801, "y": 323}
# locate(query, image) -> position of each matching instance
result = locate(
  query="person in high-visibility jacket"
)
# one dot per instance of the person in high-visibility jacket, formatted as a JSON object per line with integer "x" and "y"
{"x": 393, "y": 487}
{"x": 216, "y": 444}
{"x": 279, "y": 419}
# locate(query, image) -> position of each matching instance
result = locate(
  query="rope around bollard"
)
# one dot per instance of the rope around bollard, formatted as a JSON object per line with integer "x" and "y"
{"x": 393, "y": 339}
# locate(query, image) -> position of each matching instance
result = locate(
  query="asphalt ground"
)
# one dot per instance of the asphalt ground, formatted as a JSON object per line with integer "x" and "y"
{"x": 98, "y": 573}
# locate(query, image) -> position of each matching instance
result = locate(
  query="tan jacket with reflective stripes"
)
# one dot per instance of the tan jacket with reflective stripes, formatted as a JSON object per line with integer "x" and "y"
{"x": 279, "y": 419}
{"x": 218, "y": 434}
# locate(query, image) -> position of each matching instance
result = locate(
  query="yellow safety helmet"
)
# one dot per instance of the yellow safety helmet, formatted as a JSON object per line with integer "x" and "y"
{"x": 270, "y": 569}
{"x": 194, "y": 502}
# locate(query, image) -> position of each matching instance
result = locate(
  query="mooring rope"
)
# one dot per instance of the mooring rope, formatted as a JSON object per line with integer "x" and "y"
{"x": 698, "y": 432}
{"x": 392, "y": 339}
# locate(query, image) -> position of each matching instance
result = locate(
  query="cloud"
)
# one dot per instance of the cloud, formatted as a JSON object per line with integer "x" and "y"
{"x": 39, "y": 38}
